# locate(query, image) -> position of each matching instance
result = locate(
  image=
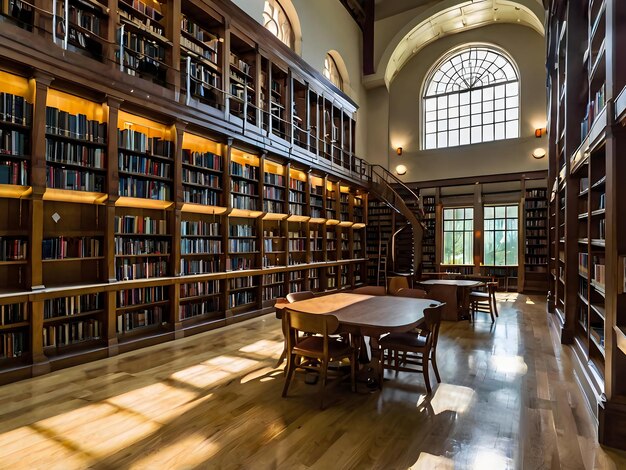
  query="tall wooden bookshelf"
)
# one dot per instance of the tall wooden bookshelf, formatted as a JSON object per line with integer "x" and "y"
{"x": 130, "y": 227}
{"x": 586, "y": 208}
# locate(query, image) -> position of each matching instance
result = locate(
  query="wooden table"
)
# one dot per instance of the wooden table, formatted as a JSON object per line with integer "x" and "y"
{"x": 366, "y": 315}
{"x": 455, "y": 293}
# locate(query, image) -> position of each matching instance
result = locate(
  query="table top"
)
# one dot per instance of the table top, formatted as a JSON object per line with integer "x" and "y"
{"x": 453, "y": 282}
{"x": 367, "y": 312}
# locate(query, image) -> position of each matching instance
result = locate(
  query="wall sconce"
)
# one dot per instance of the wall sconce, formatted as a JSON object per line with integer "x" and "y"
{"x": 401, "y": 169}
{"x": 399, "y": 150}
{"x": 539, "y": 132}
{"x": 539, "y": 153}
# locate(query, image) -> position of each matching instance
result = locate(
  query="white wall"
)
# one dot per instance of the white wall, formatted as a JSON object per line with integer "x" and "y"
{"x": 327, "y": 25}
{"x": 514, "y": 155}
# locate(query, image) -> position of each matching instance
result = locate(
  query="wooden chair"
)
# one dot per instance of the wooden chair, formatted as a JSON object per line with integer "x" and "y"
{"x": 370, "y": 290}
{"x": 396, "y": 283}
{"x": 412, "y": 293}
{"x": 484, "y": 301}
{"x": 314, "y": 353}
{"x": 418, "y": 349}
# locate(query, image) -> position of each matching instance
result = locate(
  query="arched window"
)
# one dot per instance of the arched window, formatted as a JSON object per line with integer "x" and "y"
{"x": 331, "y": 71}
{"x": 471, "y": 96}
{"x": 275, "y": 19}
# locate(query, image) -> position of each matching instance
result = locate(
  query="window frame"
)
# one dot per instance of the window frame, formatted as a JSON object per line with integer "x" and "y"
{"x": 445, "y": 58}
{"x": 506, "y": 230}
{"x": 278, "y": 6}
{"x": 464, "y": 231}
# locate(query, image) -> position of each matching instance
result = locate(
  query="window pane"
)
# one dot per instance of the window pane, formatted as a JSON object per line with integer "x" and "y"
{"x": 430, "y": 104}
{"x": 469, "y": 225}
{"x": 464, "y": 110}
{"x": 500, "y": 211}
{"x": 499, "y": 104}
{"x": 489, "y": 224}
{"x": 511, "y": 114}
{"x": 458, "y": 225}
{"x": 454, "y": 123}
{"x": 464, "y": 122}
{"x": 511, "y": 211}
{"x": 430, "y": 127}
{"x": 431, "y": 141}
{"x": 459, "y": 213}
{"x": 489, "y": 212}
{"x": 442, "y": 139}
{"x": 442, "y": 114}
{"x": 499, "y": 91}
{"x": 469, "y": 213}
{"x": 448, "y": 214}
{"x": 476, "y": 135}
{"x": 512, "y": 129}
{"x": 512, "y": 89}
{"x": 453, "y": 112}
{"x": 442, "y": 125}
{"x": 499, "y": 131}
{"x": 453, "y": 138}
{"x": 448, "y": 248}
{"x": 487, "y": 132}
{"x": 511, "y": 224}
{"x": 453, "y": 100}
{"x": 464, "y": 98}
{"x": 511, "y": 247}
{"x": 464, "y": 136}
{"x": 432, "y": 116}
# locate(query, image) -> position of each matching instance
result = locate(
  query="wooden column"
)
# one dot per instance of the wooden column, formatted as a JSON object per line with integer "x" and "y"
{"x": 175, "y": 223}
{"x": 111, "y": 187}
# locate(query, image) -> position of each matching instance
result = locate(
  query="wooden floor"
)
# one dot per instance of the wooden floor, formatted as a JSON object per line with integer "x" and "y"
{"x": 508, "y": 400}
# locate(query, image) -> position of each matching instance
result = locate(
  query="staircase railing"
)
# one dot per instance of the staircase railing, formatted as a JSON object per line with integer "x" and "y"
{"x": 382, "y": 184}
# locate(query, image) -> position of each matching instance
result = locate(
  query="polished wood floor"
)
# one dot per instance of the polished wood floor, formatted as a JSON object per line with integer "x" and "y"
{"x": 508, "y": 400}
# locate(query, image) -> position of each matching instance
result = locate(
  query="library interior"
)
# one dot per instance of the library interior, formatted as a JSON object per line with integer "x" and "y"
{"x": 296, "y": 234}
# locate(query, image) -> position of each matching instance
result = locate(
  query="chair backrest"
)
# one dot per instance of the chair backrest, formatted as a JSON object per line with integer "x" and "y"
{"x": 413, "y": 293}
{"x": 396, "y": 283}
{"x": 315, "y": 323}
{"x": 296, "y": 296}
{"x": 432, "y": 317}
{"x": 370, "y": 290}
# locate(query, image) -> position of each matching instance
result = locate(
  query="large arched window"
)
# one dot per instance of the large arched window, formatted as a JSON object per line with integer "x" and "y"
{"x": 275, "y": 19}
{"x": 331, "y": 71}
{"x": 471, "y": 96}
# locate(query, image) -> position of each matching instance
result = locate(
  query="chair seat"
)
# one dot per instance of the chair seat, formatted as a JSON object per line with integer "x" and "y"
{"x": 314, "y": 346}
{"x": 480, "y": 296}
{"x": 403, "y": 340}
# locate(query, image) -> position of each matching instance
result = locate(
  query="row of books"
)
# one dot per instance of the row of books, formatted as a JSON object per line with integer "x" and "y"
{"x": 152, "y": 10}
{"x": 536, "y": 232}
{"x": 270, "y": 245}
{"x": 128, "y": 246}
{"x": 133, "y": 224}
{"x": 201, "y": 196}
{"x": 198, "y": 177}
{"x": 272, "y": 192}
{"x": 273, "y": 178}
{"x": 273, "y": 292}
{"x": 76, "y": 180}
{"x": 196, "y": 309}
{"x": 14, "y": 172}
{"x": 132, "y": 187}
{"x": 273, "y": 278}
{"x": 12, "y": 313}
{"x": 144, "y": 165}
{"x": 199, "y": 266}
{"x": 203, "y": 160}
{"x": 198, "y": 289}
{"x": 244, "y": 171}
{"x": 13, "y": 344}
{"x": 15, "y": 109}
{"x": 241, "y": 298}
{"x": 85, "y": 19}
{"x": 75, "y": 126}
{"x": 193, "y": 227}
{"x": 200, "y": 245}
{"x": 73, "y": 305}
{"x": 240, "y": 64}
{"x": 132, "y": 320}
{"x": 136, "y": 64}
{"x": 129, "y": 139}
{"x": 245, "y": 187}
{"x": 237, "y": 263}
{"x": 75, "y": 154}
{"x": 238, "y": 201}
{"x": 297, "y": 197}
{"x": 13, "y": 249}
{"x": 196, "y": 31}
{"x": 599, "y": 272}
{"x": 536, "y": 214}
{"x": 13, "y": 142}
{"x": 241, "y": 282}
{"x": 244, "y": 245}
{"x": 535, "y": 223}
{"x": 126, "y": 269}
{"x": 536, "y": 204}
{"x": 205, "y": 75}
{"x": 71, "y": 332}
{"x": 241, "y": 230}
{"x": 297, "y": 245}
{"x": 316, "y": 245}
{"x": 273, "y": 206}
{"x": 536, "y": 193}
{"x": 208, "y": 51}
{"x": 144, "y": 295}
{"x": 71, "y": 247}
{"x": 538, "y": 260}
{"x": 297, "y": 185}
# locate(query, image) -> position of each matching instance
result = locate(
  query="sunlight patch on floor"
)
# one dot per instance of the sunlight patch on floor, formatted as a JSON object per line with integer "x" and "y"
{"x": 428, "y": 461}
{"x": 510, "y": 364}
{"x": 453, "y": 398}
{"x": 200, "y": 376}
{"x": 264, "y": 347}
{"x": 487, "y": 459}
{"x": 185, "y": 453}
{"x": 257, "y": 374}
{"x": 231, "y": 363}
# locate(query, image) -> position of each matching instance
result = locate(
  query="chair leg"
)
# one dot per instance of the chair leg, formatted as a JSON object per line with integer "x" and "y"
{"x": 425, "y": 372}
{"x": 433, "y": 358}
{"x": 291, "y": 360}
{"x": 324, "y": 376}
{"x": 495, "y": 305}
{"x": 493, "y": 318}
{"x": 282, "y": 357}
{"x": 353, "y": 362}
